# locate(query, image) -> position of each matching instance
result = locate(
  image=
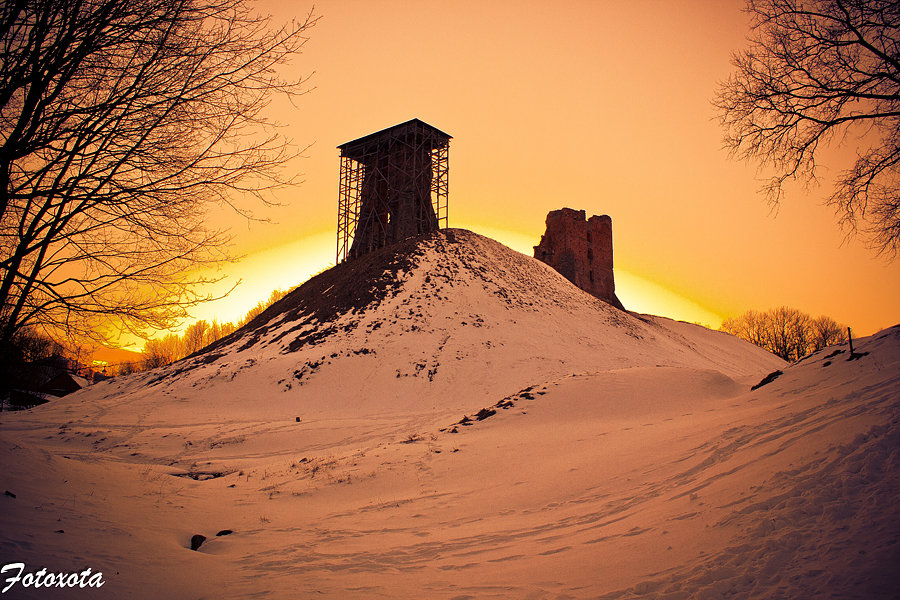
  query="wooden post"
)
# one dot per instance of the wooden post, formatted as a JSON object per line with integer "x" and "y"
{"x": 850, "y": 339}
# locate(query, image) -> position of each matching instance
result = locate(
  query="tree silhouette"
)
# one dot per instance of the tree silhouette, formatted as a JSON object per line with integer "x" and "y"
{"x": 817, "y": 73}
{"x": 786, "y": 332}
{"x": 121, "y": 123}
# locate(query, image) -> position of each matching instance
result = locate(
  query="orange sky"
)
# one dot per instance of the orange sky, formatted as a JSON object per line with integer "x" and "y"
{"x": 602, "y": 106}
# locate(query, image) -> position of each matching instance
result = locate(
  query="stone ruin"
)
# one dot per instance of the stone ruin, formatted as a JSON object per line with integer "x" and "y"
{"x": 581, "y": 250}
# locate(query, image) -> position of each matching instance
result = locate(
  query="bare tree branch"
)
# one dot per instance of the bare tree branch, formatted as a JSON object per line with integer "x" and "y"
{"x": 121, "y": 123}
{"x": 818, "y": 72}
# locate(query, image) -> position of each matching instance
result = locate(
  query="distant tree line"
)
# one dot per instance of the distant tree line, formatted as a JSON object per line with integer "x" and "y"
{"x": 786, "y": 332}
{"x": 171, "y": 347}
{"x": 29, "y": 347}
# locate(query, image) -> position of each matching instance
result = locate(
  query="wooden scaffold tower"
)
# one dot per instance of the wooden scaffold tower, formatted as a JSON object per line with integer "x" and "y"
{"x": 393, "y": 185}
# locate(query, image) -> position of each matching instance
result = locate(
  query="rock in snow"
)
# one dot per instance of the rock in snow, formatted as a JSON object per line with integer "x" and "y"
{"x": 617, "y": 455}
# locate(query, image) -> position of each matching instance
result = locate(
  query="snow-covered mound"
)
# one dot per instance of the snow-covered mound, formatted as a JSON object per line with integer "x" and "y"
{"x": 451, "y": 419}
{"x": 642, "y": 482}
{"x": 435, "y": 327}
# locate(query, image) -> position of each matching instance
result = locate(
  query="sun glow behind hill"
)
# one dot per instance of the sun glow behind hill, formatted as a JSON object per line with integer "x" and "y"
{"x": 289, "y": 265}
{"x": 281, "y": 267}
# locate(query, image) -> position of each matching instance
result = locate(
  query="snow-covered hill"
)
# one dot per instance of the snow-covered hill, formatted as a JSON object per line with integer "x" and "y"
{"x": 452, "y": 419}
{"x": 414, "y": 335}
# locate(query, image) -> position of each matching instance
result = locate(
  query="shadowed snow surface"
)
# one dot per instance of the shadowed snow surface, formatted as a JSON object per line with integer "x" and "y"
{"x": 448, "y": 418}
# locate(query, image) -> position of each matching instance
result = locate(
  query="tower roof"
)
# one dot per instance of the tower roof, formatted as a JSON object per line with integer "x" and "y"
{"x": 360, "y": 146}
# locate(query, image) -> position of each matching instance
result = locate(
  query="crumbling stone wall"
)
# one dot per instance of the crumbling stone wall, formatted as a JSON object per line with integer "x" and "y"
{"x": 581, "y": 250}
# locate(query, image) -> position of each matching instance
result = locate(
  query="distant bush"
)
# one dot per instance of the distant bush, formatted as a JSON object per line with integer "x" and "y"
{"x": 786, "y": 332}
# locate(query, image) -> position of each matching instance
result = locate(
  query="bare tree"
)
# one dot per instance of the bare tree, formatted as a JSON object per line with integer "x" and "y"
{"x": 819, "y": 73}
{"x": 162, "y": 351}
{"x": 171, "y": 347}
{"x": 121, "y": 123}
{"x": 261, "y": 306}
{"x": 194, "y": 337}
{"x": 217, "y": 331}
{"x": 826, "y": 332}
{"x": 33, "y": 347}
{"x": 786, "y": 332}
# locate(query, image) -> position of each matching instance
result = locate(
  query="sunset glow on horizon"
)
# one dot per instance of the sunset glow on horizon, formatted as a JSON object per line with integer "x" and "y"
{"x": 267, "y": 270}
{"x": 597, "y": 106}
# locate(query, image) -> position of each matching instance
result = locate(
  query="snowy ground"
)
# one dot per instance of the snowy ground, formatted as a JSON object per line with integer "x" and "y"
{"x": 617, "y": 456}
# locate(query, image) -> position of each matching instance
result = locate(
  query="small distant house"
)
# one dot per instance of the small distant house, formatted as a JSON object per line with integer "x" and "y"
{"x": 63, "y": 384}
